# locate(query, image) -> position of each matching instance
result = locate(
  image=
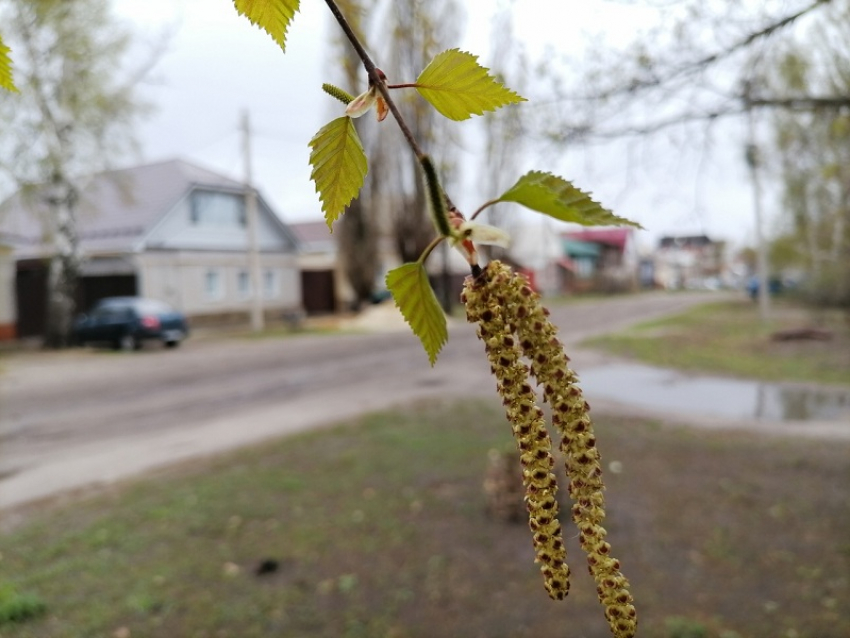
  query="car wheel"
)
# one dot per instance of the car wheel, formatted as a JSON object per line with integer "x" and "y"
{"x": 129, "y": 342}
{"x": 173, "y": 343}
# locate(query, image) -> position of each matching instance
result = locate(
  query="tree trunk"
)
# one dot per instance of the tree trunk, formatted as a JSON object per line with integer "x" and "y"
{"x": 414, "y": 229}
{"x": 64, "y": 269}
{"x": 358, "y": 251}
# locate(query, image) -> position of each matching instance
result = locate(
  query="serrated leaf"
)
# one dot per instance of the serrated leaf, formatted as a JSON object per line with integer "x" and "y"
{"x": 6, "y": 80}
{"x": 458, "y": 87}
{"x": 339, "y": 166}
{"x": 558, "y": 198}
{"x": 272, "y": 16}
{"x": 418, "y": 304}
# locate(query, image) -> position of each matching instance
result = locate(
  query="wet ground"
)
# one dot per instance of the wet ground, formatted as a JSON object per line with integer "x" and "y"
{"x": 651, "y": 387}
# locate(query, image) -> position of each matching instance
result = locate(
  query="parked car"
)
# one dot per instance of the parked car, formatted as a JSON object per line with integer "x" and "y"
{"x": 774, "y": 287}
{"x": 125, "y": 322}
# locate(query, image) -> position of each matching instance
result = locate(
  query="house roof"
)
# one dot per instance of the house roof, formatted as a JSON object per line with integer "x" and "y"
{"x": 116, "y": 208}
{"x": 685, "y": 241}
{"x": 314, "y": 238}
{"x": 614, "y": 237}
{"x": 311, "y": 232}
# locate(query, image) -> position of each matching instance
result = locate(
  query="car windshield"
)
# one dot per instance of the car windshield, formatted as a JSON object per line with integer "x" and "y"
{"x": 123, "y": 305}
{"x": 112, "y": 312}
{"x": 152, "y": 307}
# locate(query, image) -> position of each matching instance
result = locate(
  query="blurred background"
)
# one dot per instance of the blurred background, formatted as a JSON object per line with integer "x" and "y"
{"x": 156, "y": 207}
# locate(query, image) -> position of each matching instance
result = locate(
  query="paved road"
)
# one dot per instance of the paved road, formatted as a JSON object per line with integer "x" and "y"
{"x": 82, "y": 418}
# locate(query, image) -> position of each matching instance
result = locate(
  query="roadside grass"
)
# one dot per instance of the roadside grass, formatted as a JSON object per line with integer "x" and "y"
{"x": 378, "y": 528}
{"x": 729, "y": 338}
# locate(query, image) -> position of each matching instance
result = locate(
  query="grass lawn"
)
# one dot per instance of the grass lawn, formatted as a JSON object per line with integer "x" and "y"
{"x": 378, "y": 528}
{"x": 729, "y": 338}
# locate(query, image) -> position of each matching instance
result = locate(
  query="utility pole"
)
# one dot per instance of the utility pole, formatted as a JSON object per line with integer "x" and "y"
{"x": 762, "y": 269}
{"x": 257, "y": 318}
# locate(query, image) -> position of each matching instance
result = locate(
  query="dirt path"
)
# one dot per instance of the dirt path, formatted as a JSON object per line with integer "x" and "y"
{"x": 86, "y": 418}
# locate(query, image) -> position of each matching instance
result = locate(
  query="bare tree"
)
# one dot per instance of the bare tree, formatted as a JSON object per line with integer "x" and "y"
{"x": 393, "y": 201}
{"x": 358, "y": 228}
{"x": 709, "y": 62}
{"x": 504, "y": 129}
{"x": 813, "y": 161}
{"x": 74, "y": 113}
{"x": 415, "y": 31}
{"x": 701, "y": 62}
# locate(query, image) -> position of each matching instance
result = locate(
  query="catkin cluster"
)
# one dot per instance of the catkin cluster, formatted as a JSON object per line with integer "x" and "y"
{"x": 486, "y": 307}
{"x": 512, "y": 324}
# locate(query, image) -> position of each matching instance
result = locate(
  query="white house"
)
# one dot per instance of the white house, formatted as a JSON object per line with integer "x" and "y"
{"x": 689, "y": 261}
{"x": 172, "y": 231}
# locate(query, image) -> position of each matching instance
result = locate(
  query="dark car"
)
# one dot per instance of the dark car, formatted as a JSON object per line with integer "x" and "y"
{"x": 774, "y": 287}
{"x": 125, "y": 322}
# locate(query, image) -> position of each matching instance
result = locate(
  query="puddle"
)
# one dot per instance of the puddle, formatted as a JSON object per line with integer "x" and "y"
{"x": 714, "y": 396}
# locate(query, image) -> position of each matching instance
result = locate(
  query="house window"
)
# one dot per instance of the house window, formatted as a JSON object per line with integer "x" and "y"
{"x": 213, "y": 285}
{"x": 584, "y": 268}
{"x": 271, "y": 284}
{"x": 243, "y": 284}
{"x": 208, "y": 208}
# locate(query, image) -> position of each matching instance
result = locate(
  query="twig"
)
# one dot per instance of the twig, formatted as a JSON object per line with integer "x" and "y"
{"x": 374, "y": 78}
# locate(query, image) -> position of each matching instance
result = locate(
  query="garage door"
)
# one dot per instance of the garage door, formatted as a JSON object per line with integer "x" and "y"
{"x": 317, "y": 291}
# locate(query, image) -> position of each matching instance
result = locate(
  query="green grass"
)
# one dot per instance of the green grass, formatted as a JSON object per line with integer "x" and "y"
{"x": 378, "y": 528}
{"x": 16, "y": 607}
{"x": 729, "y": 338}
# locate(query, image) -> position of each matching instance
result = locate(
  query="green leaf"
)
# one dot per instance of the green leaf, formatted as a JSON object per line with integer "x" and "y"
{"x": 458, "y": 87}
{"x": 6, "y": 80}
{"x": 273, "y": 16}
{"x": 413, "y": 295}
{"x": 339, "y": 166}
{"x": 558, "y": 198}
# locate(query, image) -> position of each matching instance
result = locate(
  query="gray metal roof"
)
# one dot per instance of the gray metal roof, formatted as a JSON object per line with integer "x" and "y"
{"x": 116, "y": 208}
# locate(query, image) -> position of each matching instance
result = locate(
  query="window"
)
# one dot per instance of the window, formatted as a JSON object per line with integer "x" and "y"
{"x": 585, "y": 268}
{"x": 208, "y": 208}
{"x": 271, "y": 286}
{"x": 243, "y": 284}
{"x": 213, "y": 285}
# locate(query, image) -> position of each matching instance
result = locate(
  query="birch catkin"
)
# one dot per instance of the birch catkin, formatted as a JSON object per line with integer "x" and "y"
{"x": 486, "y": 308}
{"x": 506, "y": 308}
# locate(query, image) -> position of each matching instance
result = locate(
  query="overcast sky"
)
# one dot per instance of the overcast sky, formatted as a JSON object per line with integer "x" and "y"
{"x": 217, "y": 64}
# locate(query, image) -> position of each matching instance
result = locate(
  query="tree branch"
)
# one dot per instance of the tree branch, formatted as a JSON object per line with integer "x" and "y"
{"x": 371, "y": 69}
{"x": 802, "y": 103}
{"x": 374, "y": 78}
{"x": 698, "y": 65}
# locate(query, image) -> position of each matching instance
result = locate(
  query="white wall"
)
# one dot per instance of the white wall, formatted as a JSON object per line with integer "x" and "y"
{"x": 181, "y": 279}
{"x": 7, "y": 287}
{"x": 177, "y": 232}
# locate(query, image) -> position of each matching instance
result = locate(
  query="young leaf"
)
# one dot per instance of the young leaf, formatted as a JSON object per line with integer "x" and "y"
{"x": 419, "y": 306}
{"x": 339, "y": 166}
{"x": 458, "y": 87}
{"x": 6, "y": 80}
{"x": 558, "y": 198}
{"x": 273, "y": 16}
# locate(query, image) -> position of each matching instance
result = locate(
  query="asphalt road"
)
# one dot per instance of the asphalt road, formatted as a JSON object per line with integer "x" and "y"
{"x": 84, "y": 418}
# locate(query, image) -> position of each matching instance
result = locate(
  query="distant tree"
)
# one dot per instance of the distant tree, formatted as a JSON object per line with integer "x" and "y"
{"x": 699, "y": 63}
{"x": 504, "y": 130}
{"x": 393, "y": 203}
{"x": 74, "y": 113}
{"x": 416, "y": 30}
{"x": 812, "y": 151}
{"x": 359, "y": 228}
